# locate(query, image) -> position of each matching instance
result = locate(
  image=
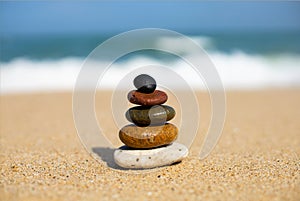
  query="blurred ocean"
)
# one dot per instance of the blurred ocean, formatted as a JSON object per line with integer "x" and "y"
{"x": 244, "y": 61}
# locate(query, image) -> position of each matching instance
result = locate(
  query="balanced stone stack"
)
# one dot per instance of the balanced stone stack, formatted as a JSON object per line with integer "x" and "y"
{"x": 150, "y": 139}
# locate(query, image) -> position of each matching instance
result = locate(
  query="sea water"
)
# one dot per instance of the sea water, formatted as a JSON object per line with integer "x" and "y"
{"x": 243, "y": 60}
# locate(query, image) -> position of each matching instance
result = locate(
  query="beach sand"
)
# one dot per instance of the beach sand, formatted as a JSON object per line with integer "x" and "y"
{"x": 256, "y": 158}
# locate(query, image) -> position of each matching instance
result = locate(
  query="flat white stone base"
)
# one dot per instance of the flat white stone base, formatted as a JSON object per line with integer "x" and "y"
{"x": 150, "y": 158}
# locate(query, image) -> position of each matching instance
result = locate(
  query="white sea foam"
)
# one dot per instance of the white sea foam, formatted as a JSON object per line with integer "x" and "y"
{"x": 237, "y": 71}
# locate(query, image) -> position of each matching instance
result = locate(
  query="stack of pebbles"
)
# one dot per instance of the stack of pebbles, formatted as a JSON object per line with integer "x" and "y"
{"x": 150, "y": 140}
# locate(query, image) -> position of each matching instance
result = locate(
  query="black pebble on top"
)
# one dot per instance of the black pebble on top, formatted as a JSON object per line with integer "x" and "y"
{"x": 144, "y": 83}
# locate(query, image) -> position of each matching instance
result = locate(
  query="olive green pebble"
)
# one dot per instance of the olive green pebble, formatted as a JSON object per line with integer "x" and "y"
{"x": 144, "y": 116}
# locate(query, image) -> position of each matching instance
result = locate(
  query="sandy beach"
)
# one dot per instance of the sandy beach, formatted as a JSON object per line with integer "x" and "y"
{"x": 256, "y": 158}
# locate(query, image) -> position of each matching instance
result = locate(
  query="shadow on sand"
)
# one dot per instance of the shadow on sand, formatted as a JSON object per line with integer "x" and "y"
{"x": 107, "y": 155}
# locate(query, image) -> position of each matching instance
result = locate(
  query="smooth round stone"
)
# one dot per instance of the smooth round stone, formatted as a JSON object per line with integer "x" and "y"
{"x": 156, "y": 98}
{"x": 150, "y": 158}
{"x": 144, "y": 83}
{"x": 148, "y": 137}
{"x": 144, "y": 116}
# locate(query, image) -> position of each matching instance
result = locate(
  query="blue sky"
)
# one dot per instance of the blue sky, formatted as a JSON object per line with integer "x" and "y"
{"x": 41, "y": 17}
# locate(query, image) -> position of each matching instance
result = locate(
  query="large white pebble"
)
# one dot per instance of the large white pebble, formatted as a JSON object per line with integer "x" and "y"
{"x": 150, "y": 158}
